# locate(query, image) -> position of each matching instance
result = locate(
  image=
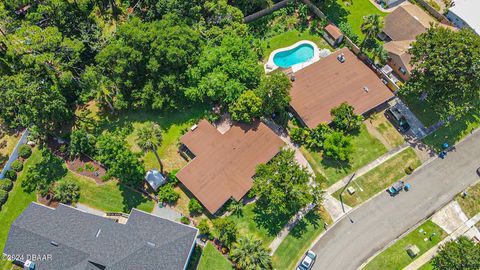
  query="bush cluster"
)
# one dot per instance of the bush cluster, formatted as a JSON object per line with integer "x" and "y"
{"x": 24, "y": 151}
{"x": 17, "y": 166}
{"x": 12, "y": 175}
{"x": 6, "y": 185}
{"x": 3, "y": 197}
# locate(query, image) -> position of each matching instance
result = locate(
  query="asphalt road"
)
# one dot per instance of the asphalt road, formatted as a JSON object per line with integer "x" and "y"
{"x": 379, "y": 221}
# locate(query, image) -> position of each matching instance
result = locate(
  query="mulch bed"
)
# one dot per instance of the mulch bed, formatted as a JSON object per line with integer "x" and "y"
{"x": 48, "y": 200}
{"x": 82, "y": 165}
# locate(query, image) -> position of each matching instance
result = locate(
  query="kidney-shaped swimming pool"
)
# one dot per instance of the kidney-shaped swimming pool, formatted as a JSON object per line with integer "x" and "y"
{"x": 302, "y": 53}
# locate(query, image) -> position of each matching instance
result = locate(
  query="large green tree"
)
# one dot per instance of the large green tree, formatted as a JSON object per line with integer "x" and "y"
{"x": 337, "y": 146}
{"x": 122, "y": 163}
{"x": 345, "y": 119}
{"x": 149, "y": 138}
{"x": 446, "y": 70}
{"x": 250, "y": 254}
{"x": 274, "y": 91}
{"x": 372, "y": 25}
{"x": 227, "y": 231}
{"x": 460, "y": 254}
{"x": 247, "y": 107}
{"x": 282, "y": 188}
{"x": 67, "y": 191}
{"x": 42, "y": 175}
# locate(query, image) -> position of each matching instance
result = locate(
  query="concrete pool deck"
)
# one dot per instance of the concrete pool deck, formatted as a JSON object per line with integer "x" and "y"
{"x": 271, "y": 66}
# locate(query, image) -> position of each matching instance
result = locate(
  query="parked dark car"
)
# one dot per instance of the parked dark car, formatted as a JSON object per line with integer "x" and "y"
{"x": 398, "y": 119}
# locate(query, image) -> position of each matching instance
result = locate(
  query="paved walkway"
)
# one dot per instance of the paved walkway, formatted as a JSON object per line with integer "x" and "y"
{"x": 450, "y": 217}
{"x": 166, "y": 212}
{"x": 467, "y": 228}
{"x": 89, "y": 210}
{"x": 334, "y": 207}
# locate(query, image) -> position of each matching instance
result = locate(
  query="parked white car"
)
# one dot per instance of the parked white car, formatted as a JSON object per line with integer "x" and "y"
{"x": 307, "y": 261}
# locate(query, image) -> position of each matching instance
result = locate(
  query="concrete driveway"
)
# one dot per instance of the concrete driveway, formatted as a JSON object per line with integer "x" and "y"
{"x": 379, "y": 221}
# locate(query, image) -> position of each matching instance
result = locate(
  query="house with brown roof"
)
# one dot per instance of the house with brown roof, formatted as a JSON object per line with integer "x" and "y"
{"x": 332, "y": 35}
{"x": 406, "y": 22}
{"x": 224, "y": 164}
{"x": 340, "y": 77}
{"x": 402, "y": 26}
{"x": 399, "y": 58}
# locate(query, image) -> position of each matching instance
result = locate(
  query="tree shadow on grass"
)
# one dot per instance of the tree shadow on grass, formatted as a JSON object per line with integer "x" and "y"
{"x": 131, "y": 198}
{"x": 273, "y": 223}
{"x": 334, "y": 11}
{"x": 339, "y": 166}
{"x": 312, "y": 218}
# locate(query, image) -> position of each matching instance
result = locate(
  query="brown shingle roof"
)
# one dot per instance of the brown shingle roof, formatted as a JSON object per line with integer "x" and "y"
{"x": 406, "y": 22}
{"x": 333, "y": 31}
{"x": 224, "y": 164}
{"x": 400, "y": 48}
{"x": 327, "y": 83}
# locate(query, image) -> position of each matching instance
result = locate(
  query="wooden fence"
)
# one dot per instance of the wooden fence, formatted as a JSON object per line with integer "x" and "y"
{"x": 439, "y": 16}
{"x": 266, "y": 11}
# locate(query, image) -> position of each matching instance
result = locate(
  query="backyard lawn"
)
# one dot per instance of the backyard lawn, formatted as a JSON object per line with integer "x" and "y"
{"x": 246, "y": 225}
{"x": 380, "y": 178}
{"x": 471, "y": 203}
{"x": 109, "y": 197}
{"x": 366, "y": 149}
{"x": 396, "y": 257}
{"x": 18, "y": 200}
{"x": 293, "y": 247}
{"x": 427, "y": 266}
{"x": 289, "y": 38}
{"x": 212, "y": 259}
{"x": 338, "y": 12}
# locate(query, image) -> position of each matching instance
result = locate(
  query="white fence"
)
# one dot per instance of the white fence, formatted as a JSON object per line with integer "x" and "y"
{"x": 14, "y": 154}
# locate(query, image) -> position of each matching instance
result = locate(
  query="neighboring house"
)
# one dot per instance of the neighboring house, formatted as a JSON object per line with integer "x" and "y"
{"x": 155, "y": 179}
{"x": 399, "y": 58}
{"x": 332, "y": 35}
{"x": 465, "y": 13}
{"x": 224, "y": 164}
{"x": 402, "y": 26}
{"x": 391, "y": 3}
{"x": 69, "y": 239}
{"x": 340, "y": 77}
{"x": 406, "y": 22}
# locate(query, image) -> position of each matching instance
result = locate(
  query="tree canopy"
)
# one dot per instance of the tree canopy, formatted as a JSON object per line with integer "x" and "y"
{"x": 446, "y": 70}
{"x": 460, "y": 254}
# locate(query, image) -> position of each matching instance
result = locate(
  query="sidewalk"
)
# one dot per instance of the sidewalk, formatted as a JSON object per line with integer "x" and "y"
{"x": 464, "y": 229}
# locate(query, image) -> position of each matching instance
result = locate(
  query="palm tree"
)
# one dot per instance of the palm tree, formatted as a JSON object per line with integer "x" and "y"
{"x": 372, "y": 25}
{"x": 149, "y": 139}
{"x": 249, "y": 254}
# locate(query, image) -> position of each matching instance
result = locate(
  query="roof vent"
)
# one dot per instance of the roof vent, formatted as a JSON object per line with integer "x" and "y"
{"x": 98, "y": 233}
{"x": 292, "y": 78}
{"x": 341, "y": 58}
{"x": 53, "y": 243}
{"x": 365, "y": 89}
{"x": 194, "y": 127}
{"x": 151, "y": 244}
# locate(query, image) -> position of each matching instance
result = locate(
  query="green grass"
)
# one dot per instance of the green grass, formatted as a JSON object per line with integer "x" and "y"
{"x": 471, "y": 203}
{"x": 396, "y": 257}
{"x": 173, "y": 125}
{"x": 453, "y": 132}
{"x": 338, "y": 12}
{"x": 109, "y": 197}
{"x": 18, "y": 200}
{"x": 380, "y": 178}
{"x": 246, "y": 225}
{"x": 366, "y": 149}
{"x": 392, "y": 137}
{"x": 289, "y": 38}
{"x": 212, "y": 259}
{"x": 427, "y": 266}
{"x": 298, "y": 241}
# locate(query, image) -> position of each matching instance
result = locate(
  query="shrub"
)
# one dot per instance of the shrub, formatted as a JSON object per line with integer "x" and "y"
{"x": 89, "y": 167}
{"x": 17, "y": 166}
{"x": 12, "y": 175}
{"x": 24, "y": 151}
{"x": 167, "y": 194}
{"x": 185, "y": 220}
{"x": 3, "y": 197}
{"x": 316, "y": 137}
{"x": 67, "y": 191}
{"x": 337, "y": 146}
{"x": 194, "y": 207}
{"x": 6, "y": 185}
{"x": 345, "y": 119}
{"x": 409, "y": 170}
{"x": 347, "y": 30}
{"x": 299, "y": 135}
{"x": 203, "y": 227}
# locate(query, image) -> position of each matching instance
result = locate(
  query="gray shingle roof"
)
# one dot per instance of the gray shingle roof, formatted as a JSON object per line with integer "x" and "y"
{"x": 85, "y": 241}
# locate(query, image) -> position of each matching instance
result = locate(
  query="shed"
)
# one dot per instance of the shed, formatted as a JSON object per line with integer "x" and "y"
{"x": 333, "y": 35}
{"x": 155, "y": 179}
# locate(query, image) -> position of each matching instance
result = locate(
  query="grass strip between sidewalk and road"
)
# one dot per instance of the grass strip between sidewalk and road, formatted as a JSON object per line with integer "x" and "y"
{"x": 294, "y": 246}
{"x": 396, "y": 257}
{"x": 380, "y": 178}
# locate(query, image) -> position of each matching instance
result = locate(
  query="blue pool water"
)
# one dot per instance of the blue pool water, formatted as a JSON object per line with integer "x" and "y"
{"x": 297, "y": 55}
